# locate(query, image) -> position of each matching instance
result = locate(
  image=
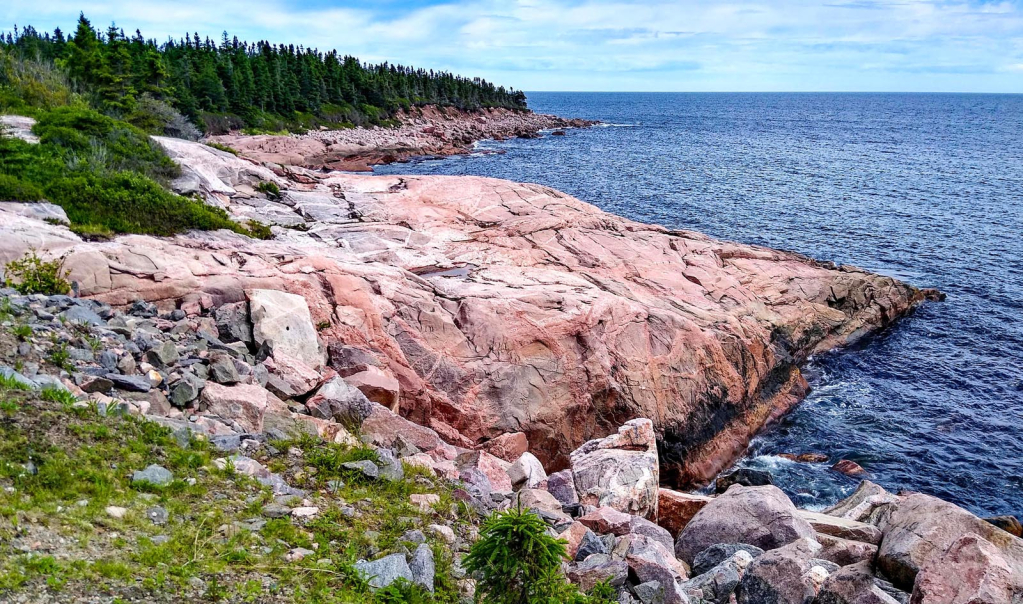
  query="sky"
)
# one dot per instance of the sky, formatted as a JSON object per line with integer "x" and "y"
{"x": 607, "y": 45}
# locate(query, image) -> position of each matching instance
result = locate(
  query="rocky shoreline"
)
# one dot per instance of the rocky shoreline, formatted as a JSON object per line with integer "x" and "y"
{"x": 484, "y": 308}
{"x": 422, "y": 131}
{"x": 234, "y": 376}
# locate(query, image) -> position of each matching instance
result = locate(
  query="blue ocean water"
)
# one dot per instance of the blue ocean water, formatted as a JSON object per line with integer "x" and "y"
{"x": 924, "y": 187}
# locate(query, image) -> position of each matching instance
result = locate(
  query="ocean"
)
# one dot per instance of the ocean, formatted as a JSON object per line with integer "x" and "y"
{"x": 927, "y": 188}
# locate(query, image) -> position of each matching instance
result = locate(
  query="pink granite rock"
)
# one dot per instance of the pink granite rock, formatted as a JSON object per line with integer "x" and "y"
{"x": 502, "y": 307}
{"x": 244, "y": 403}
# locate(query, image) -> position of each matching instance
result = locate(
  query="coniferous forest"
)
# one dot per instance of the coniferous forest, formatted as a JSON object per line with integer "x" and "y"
{"x": 234, "y": 84}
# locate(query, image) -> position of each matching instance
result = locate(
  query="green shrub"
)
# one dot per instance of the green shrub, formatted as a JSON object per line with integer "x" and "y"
{"x": 13, "y": 188}
{"x": 269, "y": 188}
{"x": 220, "y": 147}
{"x": 33, "y": 275}
{"x": 120, "y": 146}
{"x": 158, "y": 117}
{"x": 404, "y": 592}
{"x": 127, "y": 202}
{"x": 517, "y": 562}
{"x": 26, "y": 85}
{"x": 258, "y": 230}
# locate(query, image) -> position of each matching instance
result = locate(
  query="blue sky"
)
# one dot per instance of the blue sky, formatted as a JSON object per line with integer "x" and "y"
{"x": 655, "y": 45}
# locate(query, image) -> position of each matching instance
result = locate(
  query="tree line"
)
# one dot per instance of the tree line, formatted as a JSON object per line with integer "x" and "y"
{"x": 233, "y": 83}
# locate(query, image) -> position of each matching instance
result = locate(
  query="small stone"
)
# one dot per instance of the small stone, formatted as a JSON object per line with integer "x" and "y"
{"x": 163, "y": 355}
{"x": 747, "y": 477}
{"x": 366, "y": 467}
{"x": 108, "y": 360}
{"x": 157, "y": 515}
{"x": 275, "y": 510}
{"x": 131, "y": 383}
{"x": 424, "y": 501}
{"x": 297, "y": 554}
{"x": 305, "y": 512}
{"x": 381, "y": 573}
{"x": 116, "y": 512}
{"x": 222, "y": 369}
{"x": 154, "y": 474}
{"x": 445, "y": 533}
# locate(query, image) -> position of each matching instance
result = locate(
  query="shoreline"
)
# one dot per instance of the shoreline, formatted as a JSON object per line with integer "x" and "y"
{"x": 423, "y": 132}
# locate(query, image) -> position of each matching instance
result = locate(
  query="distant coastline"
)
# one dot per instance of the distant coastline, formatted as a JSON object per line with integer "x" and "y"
{"x": 421, "y": 132}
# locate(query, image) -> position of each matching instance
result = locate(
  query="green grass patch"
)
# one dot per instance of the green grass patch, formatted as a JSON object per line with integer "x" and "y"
{"x": 62, "y": 466}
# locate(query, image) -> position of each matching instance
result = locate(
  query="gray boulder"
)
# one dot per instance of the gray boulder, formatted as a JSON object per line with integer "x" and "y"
{"x": 526, "y": 472}
{"x": 384, "y": 571}
{"x": 562, "y": 486}
{"x": 853, "y": 584}
{"x": 423, "y": 567}
{"x": 338, "y": 401}
{"x": 389, "y": 466}
{"x": 718, "y": 583}
{"x": 597, "y": 568}
{"x": 787, "y": 575}
{"x": 154, "y": 474}
{"x": 233, "y": 322}
{"x": 620, "y": 471}
{"x": 718, "y": 553}
{"x": 760, "y": 516}
{"x": 365, "y": 467}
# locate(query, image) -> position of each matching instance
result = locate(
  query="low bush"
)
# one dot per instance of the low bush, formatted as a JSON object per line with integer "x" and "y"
{"x": 516, "y": 561}
{"x": 158, "y": 117}
{"x": 269, "y": 188}
{"x": 13, "y": 188}
{"x": 220, "y": 147}
{"x": 33, "y": 275}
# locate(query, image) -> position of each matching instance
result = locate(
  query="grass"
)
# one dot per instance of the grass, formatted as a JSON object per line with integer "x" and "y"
{"x": 220, "y": 147}
{"x": 62, "y": 465}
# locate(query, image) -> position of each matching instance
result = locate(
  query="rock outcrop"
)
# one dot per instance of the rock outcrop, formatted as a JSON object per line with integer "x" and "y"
{"x": 424, "y": 131}
{"x": 499, "y": 307}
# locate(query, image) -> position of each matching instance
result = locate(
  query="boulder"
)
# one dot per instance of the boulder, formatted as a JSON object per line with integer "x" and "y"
{"x": 537, "y": 499}
{"x": 591, "y": 544}
{"x": 595, "y": 569}
{"x": 923, "y": 528}
{"x": 842, "y": 527}
{"x": 245, "y": 404}
{"x": 675, "y": 510}
{"x": 573, "y": 537}
{"x": 562, "y": 486}
{"x": 854, "y": 584}
{"x": 971, "y": 571}
{"x": 526, "y": 472}
{"x": 384, "y": 571}
{"x": 154, "y": 475}
{"x": 496, "y": 470}
{"x": 606, "y": 520}
{"x": 760, "y": 516}
{"x": 382, "y": 427}
{"x": 378, "y": 386}
{"x": 844, "y": 552}
{"x": 716, "y": 554}
{"x": 290, "y": 377}
{"x": 786, "y": 575}
{"x": 620, "y": 471}
{"x": 508, "y": 447}
{"x": 869, "y": 503}
{"x": 338, "y": 401}
{"x": 283, "y": 319}
{"x": 649, "y": 560}
{"x": 233, "y": 323}
{"x": 717, "y": 583}
{"x": 349, "y": 360}
{"x": 423, "y": 567}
